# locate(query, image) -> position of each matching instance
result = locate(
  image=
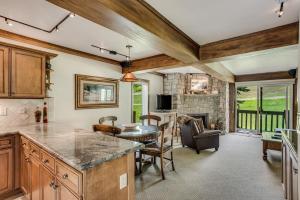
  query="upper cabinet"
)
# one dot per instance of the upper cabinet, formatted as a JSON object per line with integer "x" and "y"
{"x": 27, "y": 74}
{"x": 4, "y": 71}
{"x": 22, "y": 72}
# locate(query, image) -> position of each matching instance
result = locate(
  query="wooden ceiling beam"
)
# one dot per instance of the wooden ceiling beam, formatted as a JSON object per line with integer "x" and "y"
{"x": 263, "y": 76}
{"x": 47, "y": 45}
{"x": 277, "y": 37}
{"x": 137, "y": 20}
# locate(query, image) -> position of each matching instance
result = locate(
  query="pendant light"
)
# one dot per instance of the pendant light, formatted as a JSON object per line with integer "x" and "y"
{"x": 128, "y": 76}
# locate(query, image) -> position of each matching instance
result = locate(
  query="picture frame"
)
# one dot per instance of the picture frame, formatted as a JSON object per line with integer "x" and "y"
{"x": 199, "y": 84}
{"x": 96, "y": 92}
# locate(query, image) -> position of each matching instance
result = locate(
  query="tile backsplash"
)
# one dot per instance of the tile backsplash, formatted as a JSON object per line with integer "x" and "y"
{"x": 16, "y": 112}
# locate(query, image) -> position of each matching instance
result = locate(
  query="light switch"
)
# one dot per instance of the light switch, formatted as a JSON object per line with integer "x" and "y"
{"x": 123, "y": 181}
{"x": 3, "y": 111}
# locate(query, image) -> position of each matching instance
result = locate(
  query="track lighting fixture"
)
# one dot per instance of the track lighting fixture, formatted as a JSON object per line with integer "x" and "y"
{"x": 280, "y": 12}
{"x": 72, "y": 15}
{"x": 8, "y": 22}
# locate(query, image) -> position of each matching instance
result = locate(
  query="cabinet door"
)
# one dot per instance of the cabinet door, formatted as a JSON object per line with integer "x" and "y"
{"x": 64, "y": 193}
{"x": 47, "y": 185}
{"x": 3, "y": 71}
{"x": 6, "y": 170}
{"x": 25, "y": 173}
{"x": 28, "y": 74}
{"x": 294, "y": 178}
{"x": 34, "y": 178}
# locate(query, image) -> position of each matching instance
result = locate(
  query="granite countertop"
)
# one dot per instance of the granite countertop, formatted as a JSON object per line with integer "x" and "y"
{"x": 291, "y": 136}
{"x": 81, "y": 149}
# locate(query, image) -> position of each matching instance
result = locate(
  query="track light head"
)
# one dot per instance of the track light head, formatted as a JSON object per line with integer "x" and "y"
{"x": 8, "y": 22}
{"x": 56, "y": 29}
{"x": 72, "y": 15}
{"x": 101, "y": 50}
{"x": 280, "y": 11}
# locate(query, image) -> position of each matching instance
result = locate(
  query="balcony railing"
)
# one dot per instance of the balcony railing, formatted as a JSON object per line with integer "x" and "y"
{"x": 269, "y": 120}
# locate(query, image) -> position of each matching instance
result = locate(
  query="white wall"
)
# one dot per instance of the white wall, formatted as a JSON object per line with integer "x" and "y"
{"x": 63, "y": 91}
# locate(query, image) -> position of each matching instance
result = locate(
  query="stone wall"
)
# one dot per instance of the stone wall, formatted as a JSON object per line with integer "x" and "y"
{"x": 214, "y": 102}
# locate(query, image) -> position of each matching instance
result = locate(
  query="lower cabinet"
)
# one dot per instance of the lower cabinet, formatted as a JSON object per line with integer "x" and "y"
{"x": 6, "y": 170}
{"x": 47, "y": 184}
{"x": 289, "y": 172}
{"x": 38, "y": 180}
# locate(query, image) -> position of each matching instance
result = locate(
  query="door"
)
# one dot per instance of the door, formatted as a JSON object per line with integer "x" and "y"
{"x": 64, "y": 193}
{"x": 47, "y": 185}
{"x": 6, "y": 170}
{"x": 35, "y": 178}
{"x": 274, "y": 108}
{"x": 4, "y": 71}
{"x": 28, "y": 74}
{"x": 140, "y": 99}
{"x": 25, "y": 173}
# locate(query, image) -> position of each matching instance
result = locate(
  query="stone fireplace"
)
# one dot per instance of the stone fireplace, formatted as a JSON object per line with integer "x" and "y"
{"x": 211, "y": 105}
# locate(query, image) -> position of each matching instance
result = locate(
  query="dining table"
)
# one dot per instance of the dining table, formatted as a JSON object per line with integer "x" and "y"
{"x": 138, "y": 133}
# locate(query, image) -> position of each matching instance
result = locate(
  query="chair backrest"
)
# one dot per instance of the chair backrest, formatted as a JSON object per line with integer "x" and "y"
{"x": 107, "y": 129}
{"x": 149, "y": 118}
{"x": 108, "y": 118}
{"x": 165, "y": 128}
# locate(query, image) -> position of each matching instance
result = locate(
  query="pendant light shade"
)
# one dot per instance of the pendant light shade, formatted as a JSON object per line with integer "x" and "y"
{"x": 129, "y": 77}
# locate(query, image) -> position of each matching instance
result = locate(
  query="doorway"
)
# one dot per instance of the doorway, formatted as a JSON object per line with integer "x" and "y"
{"x": 264, "y": 107}
{"x": 140, "y": 99}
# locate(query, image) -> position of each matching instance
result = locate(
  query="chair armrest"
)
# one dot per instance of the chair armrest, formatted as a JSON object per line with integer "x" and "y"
{"x": 206, "y": 134}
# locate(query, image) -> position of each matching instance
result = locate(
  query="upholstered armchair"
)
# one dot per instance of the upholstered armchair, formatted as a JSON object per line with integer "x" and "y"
{"x": 193, "y": 138}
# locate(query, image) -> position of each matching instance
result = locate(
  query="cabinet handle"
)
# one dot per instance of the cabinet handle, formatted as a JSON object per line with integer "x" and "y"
{"x": 46, "y": 161}
{"x": 55, "y": 187}
{"x": 295, "y": 170}
{"x": 27, "y": 160}
{"x": 51, "y": 184}
{"x": 32, "y": 151}
{"x": 65, "y": 176}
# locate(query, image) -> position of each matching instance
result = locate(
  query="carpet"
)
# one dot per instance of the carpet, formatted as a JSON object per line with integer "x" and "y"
{"x": 235, "y": 172}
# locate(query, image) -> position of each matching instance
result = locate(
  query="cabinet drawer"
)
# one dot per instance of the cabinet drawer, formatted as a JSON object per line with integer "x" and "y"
{"x": 48, "y": 160}
{"x": 69, "y": 177}
{"x": 34, "y": 151}
{"x": 25, "y": 143}
{"x": 6, "y": 142}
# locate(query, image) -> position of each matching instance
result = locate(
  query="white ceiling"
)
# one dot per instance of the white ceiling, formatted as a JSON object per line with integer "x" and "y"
{"x": 282, "y": 60}
{"x": 182, "y": 70}
{"x": 77, "y": 33}
{"x": 213, "y": 20}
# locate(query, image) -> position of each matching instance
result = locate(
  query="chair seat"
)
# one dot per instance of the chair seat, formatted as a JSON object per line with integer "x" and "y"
{"x": 154, "y": 148}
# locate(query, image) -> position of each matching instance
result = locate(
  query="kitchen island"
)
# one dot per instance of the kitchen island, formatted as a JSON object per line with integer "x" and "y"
{"x": 56, "y": 161}
{"x": 290, "y": 164}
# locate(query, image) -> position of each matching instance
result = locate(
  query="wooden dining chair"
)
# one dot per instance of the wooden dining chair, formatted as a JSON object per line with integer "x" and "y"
{"x": 143, "y": 118}
{"x": 159, "y": 149}
{"x": 107, "y": 129}
{"x": 108, "y": 118}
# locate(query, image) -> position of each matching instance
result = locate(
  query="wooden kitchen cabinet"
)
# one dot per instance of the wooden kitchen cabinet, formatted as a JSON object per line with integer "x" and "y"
{"x": 25, "y": 171}
{"x": 6, "y": 170}
{"x": 4, "y": 71}
{"x": 64, "y": 193}
{"x": 47, "y": 185}
{"x": 34, "y": 179}
{"x": 27, "y": 74}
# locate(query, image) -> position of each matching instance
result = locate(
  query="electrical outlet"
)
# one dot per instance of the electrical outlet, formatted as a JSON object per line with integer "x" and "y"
{"x": 3, "y": 111}
{"x": 123, "y": 181}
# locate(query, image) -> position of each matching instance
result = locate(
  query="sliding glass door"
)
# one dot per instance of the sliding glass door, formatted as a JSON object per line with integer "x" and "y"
{"x": 263, "y": 107}
{"x": 140, "y": 99}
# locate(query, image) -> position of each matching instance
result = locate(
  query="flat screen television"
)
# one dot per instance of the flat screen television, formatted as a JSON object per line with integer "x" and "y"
{"x": 164, "y": 102}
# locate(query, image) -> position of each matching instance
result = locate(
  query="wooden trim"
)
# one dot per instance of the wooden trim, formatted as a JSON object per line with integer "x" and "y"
{"x": 157, "y": 74}
{"x": 232, "y": 98}
{"x": 43, "y": 44}
{"x": 139, "y": 21}
{"x": 263, "y": 76}
{"x": 280, "y": 36}
{"x": 156, "y": 62}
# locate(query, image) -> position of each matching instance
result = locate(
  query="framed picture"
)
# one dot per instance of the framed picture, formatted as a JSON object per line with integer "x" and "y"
{"x": 96, "y": 92}
{"x": 199, "y": 84}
